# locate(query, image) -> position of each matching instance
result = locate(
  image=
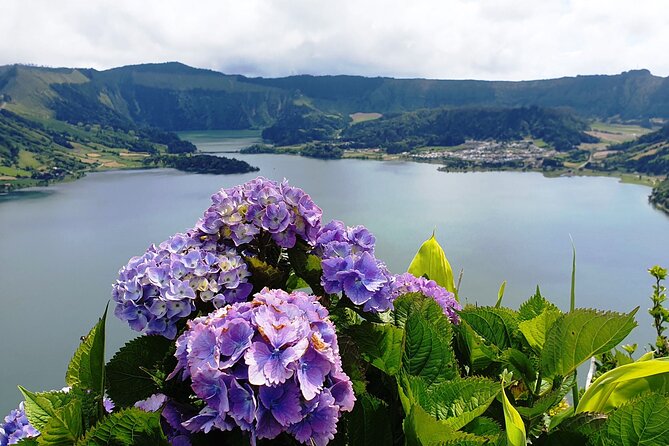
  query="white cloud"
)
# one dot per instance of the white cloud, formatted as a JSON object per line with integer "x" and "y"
{"x": 487, "y": 39}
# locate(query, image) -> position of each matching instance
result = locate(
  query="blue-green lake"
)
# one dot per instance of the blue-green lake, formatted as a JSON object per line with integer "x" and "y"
{"x": 61, "y": 247}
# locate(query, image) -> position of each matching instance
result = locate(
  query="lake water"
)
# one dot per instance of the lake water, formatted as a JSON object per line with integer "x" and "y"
{"x": 61, "y": 247}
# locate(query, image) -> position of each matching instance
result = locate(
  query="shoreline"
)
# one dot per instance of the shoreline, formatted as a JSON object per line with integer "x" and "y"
{"x": 623, "y": 177}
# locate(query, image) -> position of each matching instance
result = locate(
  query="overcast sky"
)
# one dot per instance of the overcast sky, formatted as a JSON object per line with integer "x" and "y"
{"x": 446, "y": 39}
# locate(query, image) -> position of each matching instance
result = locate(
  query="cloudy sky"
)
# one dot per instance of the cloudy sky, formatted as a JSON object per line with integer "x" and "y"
{"x": 447, "y": 39}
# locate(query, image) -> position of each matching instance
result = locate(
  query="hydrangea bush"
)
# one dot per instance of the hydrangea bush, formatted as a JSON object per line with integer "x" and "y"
{"x": 262, "y": 325}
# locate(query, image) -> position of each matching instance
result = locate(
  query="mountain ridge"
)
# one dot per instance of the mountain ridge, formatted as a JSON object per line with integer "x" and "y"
{"x": 174, "y": 96}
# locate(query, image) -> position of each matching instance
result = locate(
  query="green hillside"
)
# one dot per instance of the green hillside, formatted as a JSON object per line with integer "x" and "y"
{"x": 647, "y": 154}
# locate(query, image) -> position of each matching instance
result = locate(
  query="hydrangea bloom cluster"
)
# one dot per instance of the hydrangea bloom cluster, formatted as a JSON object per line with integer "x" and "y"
{"x": 269, "y": 366}
{"x": 204, "y": 264}
{"x": 16, "y": 427}
{"x": 408, "y": 283}
{"x": 157, "y": 289}
{"x": 242, "y": 212}
{"x": 349, "y": 265}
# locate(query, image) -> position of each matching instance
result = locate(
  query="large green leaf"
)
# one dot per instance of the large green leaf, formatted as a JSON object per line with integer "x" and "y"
{"x": 456, "y": 402}
{"x": 534, "y": 330}
{"x": 422, "y": 429}
{"x": 87, "y": 367}
{"x": 618, "y": 386}
{"x": 496, "y": 325}
{"x": 380, "y": 344}
{"x": 580, "y": 334}
{"x": 64, "y": 427}
{"x": 129, "y": 427}
{"x": 369, "y": 422}
{"x": 642, "y": 421}
{"x": 40, "y": 407}
{"x": 534, "y": 306}
{"x": 430, "y": 261}
{"x": 428, "y": 333}
{"x": 515, "y": 428}
{"x": 128, "y": 378}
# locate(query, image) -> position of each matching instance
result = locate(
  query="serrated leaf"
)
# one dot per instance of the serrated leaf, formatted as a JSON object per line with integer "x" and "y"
{"x": 534, "y": 330}
{"x": 496, "y": 325}
{"x": 87, "y": 366}
{"x": 642, "y": 421}
{"x": 534, "y": 306}
{"x": 64, "y": 426}
{"x": 428, "y": 333}
{"x": 580, "y": 334}
{"x": 127, "y": 378}
{"x": 369, "y": 422}
{"x": 421, "y": 429}
{"x": 431, "y": 261}
{"x": 128, "y": 427}
{"x": 381, "y": 345}
{"x": 618, "y": 386}
{"x": 30, "y": 441}
{"x": 456, "y": 402}
{"x": 515, "y": 428}
{"x": 40, "y": 407}
{"x": 483, "y": 426}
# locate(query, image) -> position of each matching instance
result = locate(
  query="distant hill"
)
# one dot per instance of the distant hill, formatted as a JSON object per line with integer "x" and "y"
{"x": 647, "y": 154}
{"x": 450, "y": 127}
{"x": 173, "y": 96}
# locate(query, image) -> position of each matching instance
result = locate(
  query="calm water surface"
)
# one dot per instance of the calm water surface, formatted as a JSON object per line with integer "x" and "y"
{"x": 60, "y": 248}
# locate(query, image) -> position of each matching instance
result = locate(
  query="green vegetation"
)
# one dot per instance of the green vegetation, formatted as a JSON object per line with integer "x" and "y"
{"x": 443, "y": 127}
{"x": 660, "y": 195}
{"x": 201, "y": 164}
{"x": 301, "y": 124}
{"x": 258, "y": 148}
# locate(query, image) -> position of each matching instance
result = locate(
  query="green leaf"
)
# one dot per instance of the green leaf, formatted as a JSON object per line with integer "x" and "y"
{"x": 87, "y": 367}
{"x": 380, "y": 344}
{"x": 517, "y": 362}
{"x": 64, "y": 427}
{"x": 496, "y": 326}
{"x": 500, "y": 294}
{"x": 515, "y": 428}
{"x": 307, "y": 267}
{"x": 456, "y": 402}
{"x": 534, "y": 330}
{"x": 483, "y": 426}
{"x": 580, "y": 334}
{"x": 264, "y": 274}
{"x": 295, "y": 282}
{"x": 534, "y": 306}
{"x": 642, "y": 421}
{"x": 428, "y": 334}
{"x": 547, "y": 401}
{"x": 430, "y": 261}
{"x": 620, "y": 385}
{"x": 30, "y": 441}
{"x": 128, "y": 427}
{"x": 40, "y": 407}
{"x": 421, "y": 429}
{"x": 369, "y": 422}
{"x": 128, "y": 380}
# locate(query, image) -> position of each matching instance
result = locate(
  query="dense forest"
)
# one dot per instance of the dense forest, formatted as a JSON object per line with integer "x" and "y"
{"x": 201, "y": 164}
{"x": 446, "y": 127}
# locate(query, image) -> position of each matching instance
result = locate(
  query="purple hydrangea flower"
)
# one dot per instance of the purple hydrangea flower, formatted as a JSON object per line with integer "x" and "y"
{"x": 408, "y": 283}
{"x": 349, "y": 266}
{"x": 205, "y": 264}
{"x": 268, "y": 366}
{"x": 16, "y": 427}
